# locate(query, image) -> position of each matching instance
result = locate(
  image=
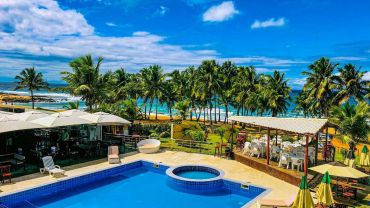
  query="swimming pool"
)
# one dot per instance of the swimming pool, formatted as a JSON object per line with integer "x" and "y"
{"x": 196, "y": 174}
{"x": 137, "y": 184}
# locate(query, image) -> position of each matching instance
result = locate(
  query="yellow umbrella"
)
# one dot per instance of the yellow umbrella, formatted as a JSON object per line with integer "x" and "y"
{"x": 364, "y": 157}
{"x": 304, "y": 198}
{"x": 324, "y": 193}
{"x": 336, "y": 169}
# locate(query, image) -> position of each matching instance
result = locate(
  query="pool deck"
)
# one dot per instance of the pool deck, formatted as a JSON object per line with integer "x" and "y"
{"x": 233, "y": 170}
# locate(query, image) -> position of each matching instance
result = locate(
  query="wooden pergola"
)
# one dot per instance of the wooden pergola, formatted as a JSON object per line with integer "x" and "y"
{"x": 308, "y": 127}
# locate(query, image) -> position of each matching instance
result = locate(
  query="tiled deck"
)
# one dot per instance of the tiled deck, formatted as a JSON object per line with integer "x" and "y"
{"x": 233, "y": 170}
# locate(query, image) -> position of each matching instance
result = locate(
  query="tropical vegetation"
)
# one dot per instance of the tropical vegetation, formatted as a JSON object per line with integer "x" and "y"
{"x": 31, "y": 80}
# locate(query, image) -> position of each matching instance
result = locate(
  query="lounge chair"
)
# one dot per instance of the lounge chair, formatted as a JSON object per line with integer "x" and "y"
{"x": 264, "y": 203}
{"x": 50, "y": 167}
{"x": 113, "y": 155}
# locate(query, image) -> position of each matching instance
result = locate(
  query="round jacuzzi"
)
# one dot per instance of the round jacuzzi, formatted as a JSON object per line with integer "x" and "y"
{"x": 195, "y": 178}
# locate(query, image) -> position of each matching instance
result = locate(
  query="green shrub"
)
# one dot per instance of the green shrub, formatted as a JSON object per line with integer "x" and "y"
{"x": 180, "y": 129}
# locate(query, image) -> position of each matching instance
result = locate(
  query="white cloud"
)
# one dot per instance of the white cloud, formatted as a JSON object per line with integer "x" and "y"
{"x": 52, "y": 37}
{"x": 163, "y": 10}
{"x": 42, "y": 18}
{"x": 366, "y": 76}
{"x": 268, "y": 23}
{"x": 218, "y": 13}
{"x": 297, "y": 82}
{"x": 348, "y": 58}
{"x": 111, "y": 24}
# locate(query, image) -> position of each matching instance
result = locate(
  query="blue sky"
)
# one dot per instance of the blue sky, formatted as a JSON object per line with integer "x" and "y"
{"x": 285, "y": 35}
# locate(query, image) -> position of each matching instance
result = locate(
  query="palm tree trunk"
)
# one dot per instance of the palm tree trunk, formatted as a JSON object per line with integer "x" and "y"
{"x": 215, "y": 110}
{"x": 150, "y": 108}
{"x": 156, "y": 109}
{"x": 33, "y": 100}
{"x": 210, "y": 113}
{"x": 145, "y": 111}
{"x": 226, "y": 111}
{"x": 171, "y": 113}
{"x": 204, "y": 115}
{"x": 238, "y": 111}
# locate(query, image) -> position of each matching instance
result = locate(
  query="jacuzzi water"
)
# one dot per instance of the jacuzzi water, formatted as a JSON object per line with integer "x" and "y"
{"x": 137, "y": 188}
{"x": 192, "y": 174}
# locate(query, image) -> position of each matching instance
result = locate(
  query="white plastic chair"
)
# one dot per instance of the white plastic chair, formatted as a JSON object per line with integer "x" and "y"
{"x": 255, "y": 151}
{"x": 274, "y": 152}
{"x": 296, "y": 162}
{"x": 311, "y": 154}
{"x": 284, "y": 160}
{"x": 50, "y": 167}
{"x": 247, "y": 148}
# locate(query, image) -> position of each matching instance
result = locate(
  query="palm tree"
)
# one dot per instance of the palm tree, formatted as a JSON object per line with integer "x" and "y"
{"x": 228, "y": 71}
{"x": 32, "y": 81}
{"x": 278, "y": 93}
{"x": 72, "y": 105}
{"x": 351, "y": 84}
{"x": 121, "y": 79}
{"x": 182, "y": 108}
{"x": 352, "y": 120}
{"x": 244, "y": 88}
{"x": 206, "y": 83}
{"x": 153, "y": 79}
{"x": 85, "y": 80}
{"x": 168, "y": 95}
{"x": 320, "y": 85}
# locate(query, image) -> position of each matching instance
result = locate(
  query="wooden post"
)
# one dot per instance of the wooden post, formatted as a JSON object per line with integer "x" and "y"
{"x": 232, "y": 134}
{"x": 306, "y": 156}
{"x": 268, "y": 147}
{"x": 326, "y": 143}
{"x": 316, "y": 147}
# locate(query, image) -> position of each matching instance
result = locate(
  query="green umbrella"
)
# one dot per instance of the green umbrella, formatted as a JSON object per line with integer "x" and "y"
{"x": 304, "y": 198}
{"x": 364, "y": 157}
{"x": 324, "y": 193}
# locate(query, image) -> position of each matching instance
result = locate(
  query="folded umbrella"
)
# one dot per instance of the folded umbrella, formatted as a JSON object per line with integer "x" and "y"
{"x": 304, "y": 198}
{"x": 364, "y": 157}
{"x": 324, "y": 193}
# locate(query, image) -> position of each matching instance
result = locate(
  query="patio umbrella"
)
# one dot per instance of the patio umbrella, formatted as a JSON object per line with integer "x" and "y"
{"x": 339, "y": 170}
{"x": 74, "y": 112}
{"x": 10, "y": 124}
{"x": 59, "y": 119}
{"x": 304, "y": 198}
{"x": 364, "y": 157}
{"x": 105, "y": 119}
{"x": 324, "y": 193}
{"x": 350, "y": 157}
{"x": 28, "y": 116}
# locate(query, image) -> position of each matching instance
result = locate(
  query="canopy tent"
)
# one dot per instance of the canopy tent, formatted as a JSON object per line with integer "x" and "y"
{"x": 60, "y": 119}
{"x": 292, "y": 125}
{"x": 10, "y": 124}
{"x": 28, "y": 116}
{"x": 301, "y": 126}
{"x": 339, "y": 170}
{"x": 103, "y": 118}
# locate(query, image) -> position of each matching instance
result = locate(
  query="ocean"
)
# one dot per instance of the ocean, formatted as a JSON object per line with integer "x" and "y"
{"x": 62, "y": 99}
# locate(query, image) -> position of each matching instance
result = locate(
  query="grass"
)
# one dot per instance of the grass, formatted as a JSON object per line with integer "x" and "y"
{"x": 204, "y": 148}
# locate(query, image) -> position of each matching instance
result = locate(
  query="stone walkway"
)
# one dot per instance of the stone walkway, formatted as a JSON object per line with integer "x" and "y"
{"x": 233, "y": 170}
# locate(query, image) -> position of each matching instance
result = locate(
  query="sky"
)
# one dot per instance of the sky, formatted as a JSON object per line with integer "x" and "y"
{"x": 283, "y": 35}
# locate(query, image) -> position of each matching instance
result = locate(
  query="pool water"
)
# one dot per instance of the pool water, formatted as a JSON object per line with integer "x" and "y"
{"x": 137, "y": 188}
{"x": 193, "y": 174}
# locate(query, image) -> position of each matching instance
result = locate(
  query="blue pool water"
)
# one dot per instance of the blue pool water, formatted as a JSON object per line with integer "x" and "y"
{"x": 138, "y": 187}
{"x": 196, "y": 174}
